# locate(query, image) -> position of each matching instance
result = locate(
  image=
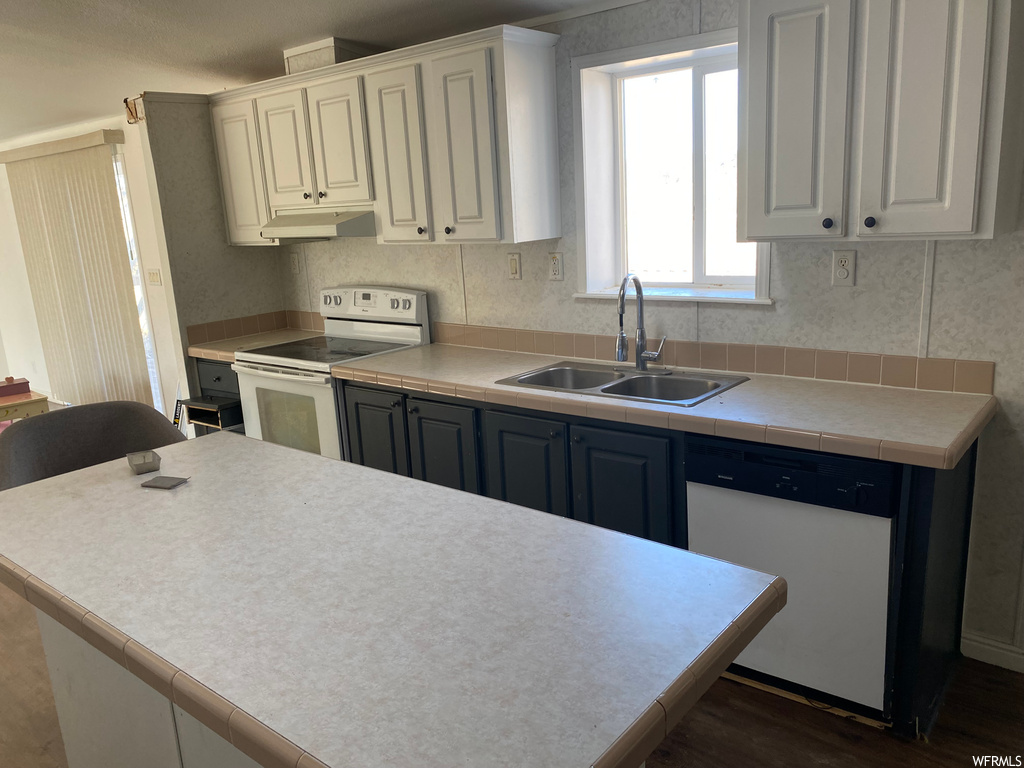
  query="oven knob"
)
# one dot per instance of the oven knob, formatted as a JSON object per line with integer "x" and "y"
{"x": 406, "y": 303}
{"x": 327, "y": 300}
{"x": 337, "y": 300}
{"x": 394, "y": 303}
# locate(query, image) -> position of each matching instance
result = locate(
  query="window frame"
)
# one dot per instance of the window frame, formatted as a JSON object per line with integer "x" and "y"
{"x": 597, "y": 95}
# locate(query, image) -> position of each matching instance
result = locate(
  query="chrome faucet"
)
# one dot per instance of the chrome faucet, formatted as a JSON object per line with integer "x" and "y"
{"x": 621, "y": 348}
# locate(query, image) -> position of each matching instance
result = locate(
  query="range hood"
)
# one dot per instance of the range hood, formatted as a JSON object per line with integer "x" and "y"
{"x": 319, "y": 225}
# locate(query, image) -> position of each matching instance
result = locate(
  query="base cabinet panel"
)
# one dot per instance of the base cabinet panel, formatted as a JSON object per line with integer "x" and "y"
{"x": 622, "y": 482}
{"x": 443, "y": 444}
{"x": 526, "y": 462}
{"x": 377, "y": 430}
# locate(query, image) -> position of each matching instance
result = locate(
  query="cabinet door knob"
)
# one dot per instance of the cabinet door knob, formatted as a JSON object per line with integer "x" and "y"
{"x": 420, "y": 230}
{"x": 414, "y": 409}
{"x": 828, "y": 223}
{"x": 448, "y": 230}
{"x": 552, "y": 433}
{"x": 216, "y": 378}
{"x": 306, "y": 195}
{"x": 869, "y": 222}
{"x": 321, "y": 195}
{"x": 576, "y": 439}
{"x": 396, "y": 404}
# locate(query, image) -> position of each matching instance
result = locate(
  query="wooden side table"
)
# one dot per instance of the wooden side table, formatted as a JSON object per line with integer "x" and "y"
{"x": 22, "y": 406}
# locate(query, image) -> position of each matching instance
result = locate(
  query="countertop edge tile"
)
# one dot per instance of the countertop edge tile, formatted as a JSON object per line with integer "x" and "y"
{"x": 206, "y": 706}
{"x": 71, "y": 615}
{"x": 263, "y": 744}
{"x": 636, "y": 743}
{"x": 850, "y": 445}
{"x": 13, "y": 576}
{"x": 912, "y": 453}
{"x": 105, "y": 638}
{"x": 793, "y": 438}
{"x": 43, "y": 596}
{"x": 971, "y": 432}
{"x": 306, "y": 760}
{"x": 741, "y": 430}
{"x": 153, "y": 670}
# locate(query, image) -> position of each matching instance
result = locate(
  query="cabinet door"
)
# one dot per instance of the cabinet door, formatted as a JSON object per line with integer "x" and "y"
{"x": 394, "y": 113}
{"x": 376, "y": 430}
{"x": 466, "y": 182}
{"x": 442, "y": 444}
{"x": 622, "y": 482}
{"x": 923, "y": 99}
{"x": 286, "y": 150}
{"x": 341, "y": 155}
{"x": 241, "y": 172}
{"x": 794, "y": 72}
{"x": 526, "y": 462}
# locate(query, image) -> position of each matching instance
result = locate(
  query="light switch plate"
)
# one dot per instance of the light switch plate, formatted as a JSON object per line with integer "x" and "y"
{"x": 153, "y": 277}
{"x": 515, "y": 267}
{"x": 844, "y": 269}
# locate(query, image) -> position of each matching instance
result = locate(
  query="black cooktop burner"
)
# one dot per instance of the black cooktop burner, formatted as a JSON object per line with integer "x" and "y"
{"x": 326, "y": 349}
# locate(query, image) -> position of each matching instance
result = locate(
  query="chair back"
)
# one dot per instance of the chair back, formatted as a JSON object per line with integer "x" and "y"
{"x": 78, "y": 437}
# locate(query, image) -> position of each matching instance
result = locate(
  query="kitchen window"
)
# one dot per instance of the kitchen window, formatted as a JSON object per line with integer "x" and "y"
{"x": 656, "y": 163}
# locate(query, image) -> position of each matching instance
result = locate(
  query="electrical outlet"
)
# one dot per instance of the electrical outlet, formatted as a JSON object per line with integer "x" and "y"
{"x": 295, "y": 263}
{"x": 153, "y": 277}
{"x": 555, "y": 272}
{"x": 515, "y": 267}
{"x": 844, "y": 269}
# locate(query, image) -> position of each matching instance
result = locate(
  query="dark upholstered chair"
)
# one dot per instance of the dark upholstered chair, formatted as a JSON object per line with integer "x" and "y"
{"x": 77, "y": 437}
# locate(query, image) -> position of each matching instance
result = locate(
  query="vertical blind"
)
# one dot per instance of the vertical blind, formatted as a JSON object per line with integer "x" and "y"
{"x": 73, "y": 238}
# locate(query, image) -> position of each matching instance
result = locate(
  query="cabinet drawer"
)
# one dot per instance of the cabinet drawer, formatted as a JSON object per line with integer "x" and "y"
{"x": 216, "y": 377}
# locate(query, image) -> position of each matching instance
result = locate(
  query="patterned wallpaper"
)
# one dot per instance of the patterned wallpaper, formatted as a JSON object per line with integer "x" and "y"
{"x": 977, "y": 309}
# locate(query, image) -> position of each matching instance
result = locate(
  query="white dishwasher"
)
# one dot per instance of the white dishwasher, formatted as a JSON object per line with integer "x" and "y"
{"x": 825, "y": 524}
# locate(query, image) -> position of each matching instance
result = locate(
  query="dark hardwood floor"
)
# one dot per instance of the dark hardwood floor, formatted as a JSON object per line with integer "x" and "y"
{"x": 735, "y": 725}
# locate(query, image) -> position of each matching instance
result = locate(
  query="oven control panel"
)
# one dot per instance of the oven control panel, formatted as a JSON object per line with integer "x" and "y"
{"x": 367, "y": 302}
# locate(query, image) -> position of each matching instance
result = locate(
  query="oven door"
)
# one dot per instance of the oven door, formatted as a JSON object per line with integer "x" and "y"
{"x": 289, "y": 407}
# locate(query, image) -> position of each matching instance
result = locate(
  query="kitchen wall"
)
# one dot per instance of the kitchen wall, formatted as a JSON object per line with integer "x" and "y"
{"x": 973, "y": 302}
{"x": 4, "y": 370}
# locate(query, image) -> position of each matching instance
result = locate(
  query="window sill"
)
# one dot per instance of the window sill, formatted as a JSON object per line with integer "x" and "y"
{"x": 709, "y": 295}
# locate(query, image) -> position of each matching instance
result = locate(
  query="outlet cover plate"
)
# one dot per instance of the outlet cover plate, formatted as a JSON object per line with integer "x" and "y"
{"x": 844, "y": 269}
{"x": 555, "y": 267}
{"x": 515, "y": 267}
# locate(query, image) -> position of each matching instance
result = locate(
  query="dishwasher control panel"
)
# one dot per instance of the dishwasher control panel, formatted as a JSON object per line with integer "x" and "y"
{"x": 859, "y": 485}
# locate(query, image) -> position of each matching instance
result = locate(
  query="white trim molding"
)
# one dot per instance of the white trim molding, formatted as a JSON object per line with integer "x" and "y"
{"x": 992, "y": 651}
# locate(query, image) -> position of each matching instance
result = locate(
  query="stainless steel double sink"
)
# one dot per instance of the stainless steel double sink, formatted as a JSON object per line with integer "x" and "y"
{"x": 652, "y": 386}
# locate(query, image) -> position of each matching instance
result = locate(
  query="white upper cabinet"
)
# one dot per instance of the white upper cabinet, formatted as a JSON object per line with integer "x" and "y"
{"x": 241, "y": 172}
{"x": 927, "y": 143}
{"x": 337, "y": 129}
{"x": 394, "y": 112}
{"x": 452, "y": 141}
{"x": 923, "y": 96}
{"x": 463, "y": 145}
{"x": 795, "y": 69}
{"x": 286, "y": 160}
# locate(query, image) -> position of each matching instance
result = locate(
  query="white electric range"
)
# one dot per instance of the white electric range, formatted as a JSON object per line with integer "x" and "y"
{"x": 286, "y": 391}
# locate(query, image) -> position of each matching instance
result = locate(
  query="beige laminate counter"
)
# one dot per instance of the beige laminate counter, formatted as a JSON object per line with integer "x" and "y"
{"x": 316, "y": 612}
{"x": 930, "y": 429}
{"x": 225, "y": 349}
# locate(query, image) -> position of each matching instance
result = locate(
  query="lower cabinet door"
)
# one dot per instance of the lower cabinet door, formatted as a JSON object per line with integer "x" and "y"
{"x": 622, "y": 482}
{"x": 376, "y": 429}
{"x": 526, "y": 462}
{"x": 442, "y": 444}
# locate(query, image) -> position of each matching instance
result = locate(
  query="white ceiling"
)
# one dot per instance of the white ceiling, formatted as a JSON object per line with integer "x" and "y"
{"x": 68, "y": 61}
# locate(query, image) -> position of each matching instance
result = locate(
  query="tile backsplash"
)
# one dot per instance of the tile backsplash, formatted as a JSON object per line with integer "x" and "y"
{"x": 941, "y": 375}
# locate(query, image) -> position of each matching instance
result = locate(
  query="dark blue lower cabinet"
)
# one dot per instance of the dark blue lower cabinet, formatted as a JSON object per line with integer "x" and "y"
{"x": 623, "y": 482}
{"x": 526, "y": 461}
{"x": 376, "y": 429}
{"x": 443, "y": 444}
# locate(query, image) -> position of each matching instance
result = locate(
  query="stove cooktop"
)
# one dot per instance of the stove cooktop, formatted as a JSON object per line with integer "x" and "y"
{"x": 324, "y": 350}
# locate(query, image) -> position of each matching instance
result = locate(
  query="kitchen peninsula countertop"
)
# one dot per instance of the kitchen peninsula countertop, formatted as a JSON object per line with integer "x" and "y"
{"x": 225, "y": 349}
{"x": 367, "y": 618}
{"x": 919, "y": 427}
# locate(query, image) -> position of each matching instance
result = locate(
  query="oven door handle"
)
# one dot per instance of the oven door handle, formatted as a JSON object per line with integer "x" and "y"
{"x": 304, "y": 378}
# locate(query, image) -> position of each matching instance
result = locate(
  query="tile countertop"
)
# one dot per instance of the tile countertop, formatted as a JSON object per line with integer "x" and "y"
{"x": 929, "y": 429}
{"x": 419, "y": 626}
{"x": 225, "y": 350}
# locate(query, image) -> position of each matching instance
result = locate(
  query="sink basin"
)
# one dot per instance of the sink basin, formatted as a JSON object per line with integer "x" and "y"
{"x": 569, "y": 378}
{"x": 653, "y": 386}
{"x": 662, "y": 387}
